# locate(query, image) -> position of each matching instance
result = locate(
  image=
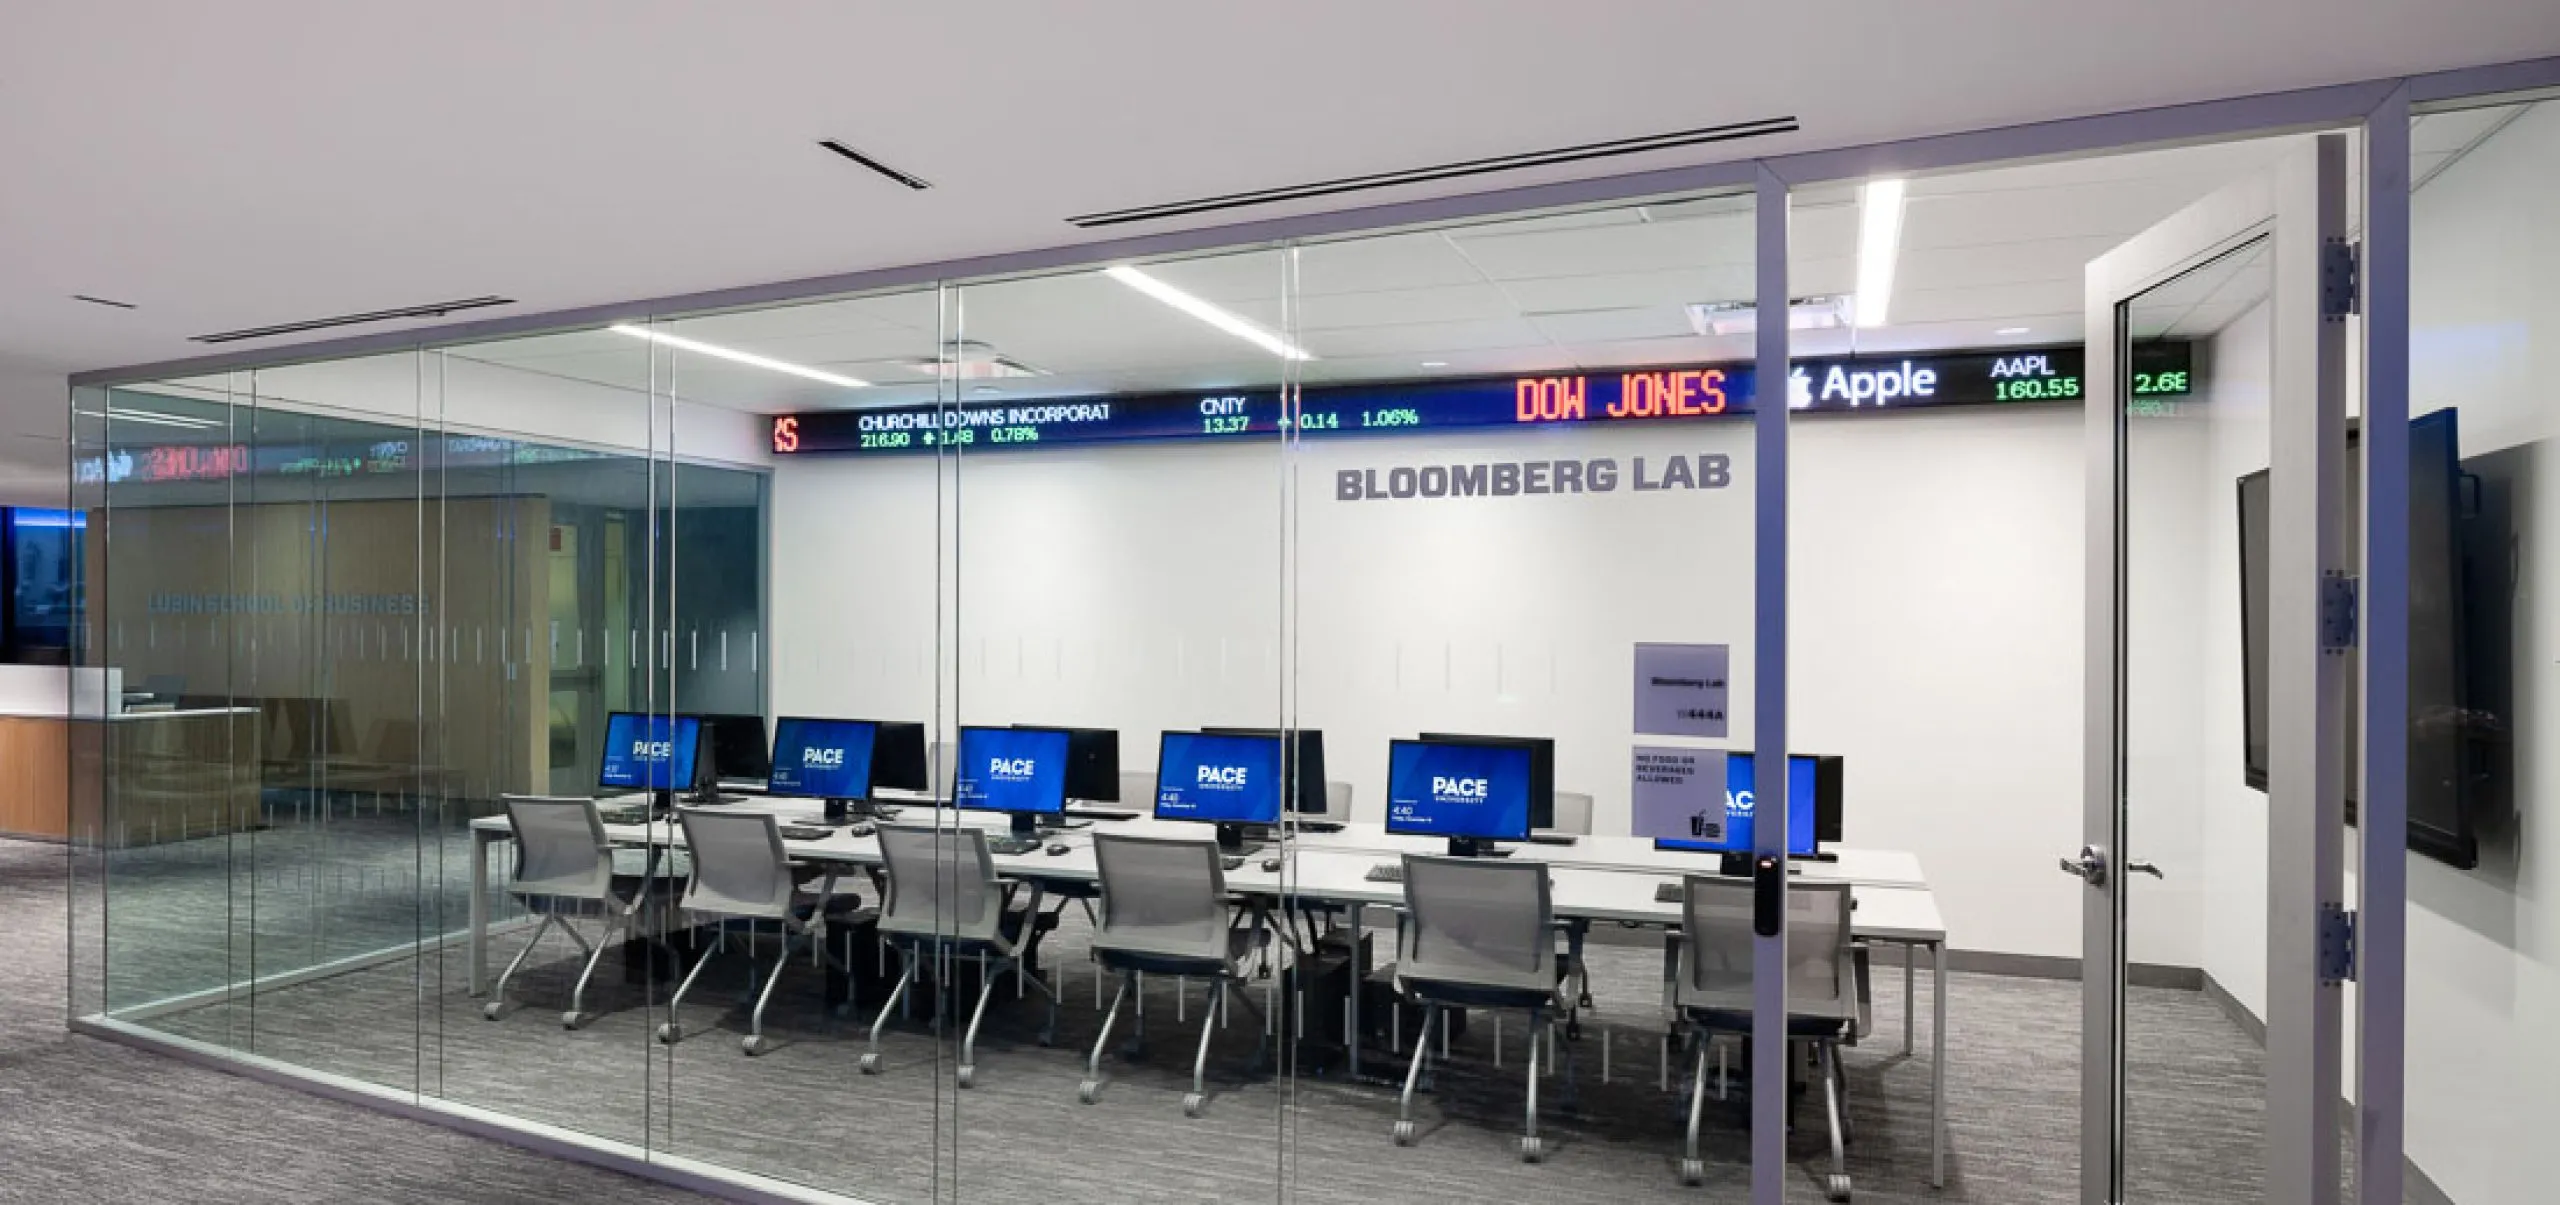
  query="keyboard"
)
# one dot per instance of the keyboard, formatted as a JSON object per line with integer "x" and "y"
{"x": 1386, "y": 872}
{"x": 1014, "y": 845}
{"x": 1670, "y": 893}
{"x": 799, "y": 832}
{"x": 1232, "y": 861}
{"x": 639, "y": 815}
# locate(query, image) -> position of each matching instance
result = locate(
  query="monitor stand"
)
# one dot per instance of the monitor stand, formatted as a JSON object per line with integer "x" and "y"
{"x": 1024, "y": 837}
{"x": 1239, "y": 840}
{"x": 1476, "y": 847}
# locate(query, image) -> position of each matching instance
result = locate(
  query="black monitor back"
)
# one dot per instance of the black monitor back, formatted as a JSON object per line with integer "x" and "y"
{"x": 898, "y": 756}
{"x": 737, "y": 747}
{"x": 1306, "y": 752}
{"x": 1542, "y": 769}
{"x": 1093, "y": 762}
{"x": 1829, "y": 797}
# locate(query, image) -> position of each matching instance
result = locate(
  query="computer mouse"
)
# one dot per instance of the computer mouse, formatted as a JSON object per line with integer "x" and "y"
{"x": 1057, "y": 849}
{"x": 860, "y": 828}
{"x": 1271, "y": 864}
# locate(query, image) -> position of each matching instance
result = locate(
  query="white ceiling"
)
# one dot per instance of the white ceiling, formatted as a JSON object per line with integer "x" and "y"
{"x": 236, "y": 164}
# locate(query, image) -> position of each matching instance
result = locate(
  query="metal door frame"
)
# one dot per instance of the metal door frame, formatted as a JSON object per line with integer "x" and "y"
{"x": 2299, "y": 206}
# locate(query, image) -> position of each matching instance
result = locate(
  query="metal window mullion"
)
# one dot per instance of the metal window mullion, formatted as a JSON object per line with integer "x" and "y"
{"x": 1770, "y": 404}
{"x": 2383, "y": 881}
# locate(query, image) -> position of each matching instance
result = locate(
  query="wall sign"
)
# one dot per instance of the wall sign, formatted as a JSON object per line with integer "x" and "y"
{"x": 1845, "y": 384}
{"x": 1678, "y": 794}
{"x": 1508, "y": 478}
{"x": 1681, "y": 689}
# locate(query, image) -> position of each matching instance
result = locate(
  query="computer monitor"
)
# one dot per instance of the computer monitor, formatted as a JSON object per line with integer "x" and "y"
{"x": 737, "y": 748}
{"x": 1093, "y": 762}
{"x": 1020, "y": 771}
{"x": 1228, "y": 779}
{"x": 1804, "y": 792}
{"x": 1472, "y": 792}
{"x": 1830, "y": 796}
{"x": 1306, "y": 753}
{"x": 1542, "y": 769}
{"x": 650, "y": 753}
{"x": 829, "y": 759}
{"x": 899, "y": 761}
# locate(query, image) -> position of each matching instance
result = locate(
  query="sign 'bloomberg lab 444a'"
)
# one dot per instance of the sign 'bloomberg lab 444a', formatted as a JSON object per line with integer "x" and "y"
{"x": 1851, "y": 384}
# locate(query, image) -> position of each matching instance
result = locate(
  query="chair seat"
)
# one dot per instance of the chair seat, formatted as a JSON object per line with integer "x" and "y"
{"x": 626, "y": 888}
{"x": 1798, "y": 1026}
{"x": 1240, "y": 943}
{"x": 1008, "y": 935}
{"x": 1478, "y": 995}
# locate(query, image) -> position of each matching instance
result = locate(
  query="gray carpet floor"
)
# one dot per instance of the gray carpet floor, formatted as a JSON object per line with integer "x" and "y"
{"x": 803, "y": 1113}
{"x": 84, "y": 1120}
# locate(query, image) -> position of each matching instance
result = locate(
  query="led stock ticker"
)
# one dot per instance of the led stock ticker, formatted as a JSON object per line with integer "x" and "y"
{"x": 1855, "y": 384}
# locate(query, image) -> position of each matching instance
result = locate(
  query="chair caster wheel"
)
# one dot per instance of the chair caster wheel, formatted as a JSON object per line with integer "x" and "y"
{"x": 1584, "y": 1001}
{"x": 1693, "y": 1172}
{"x": 1404, "y": 1133}
{"x": 1089, "y": 1091}
{"x": 1533, "y": 1150}
{"x": 670, "y": 1033}
{"x": 493, "y": 1010}
{"x": 572, "y": 1020}
{"x": 1192, "y": 1103}
{"x": 968, "y": 1075}
{"x": 754, "y": 1044}
{"x": 1836, "y": 1187}
{"x": 870, "y": 1064}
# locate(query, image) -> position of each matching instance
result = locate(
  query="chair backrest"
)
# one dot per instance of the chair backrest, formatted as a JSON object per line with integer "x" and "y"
{"x": 1482, "y": 922}
{"x": 1138, "y": 789}
{"x": 1715, "y": 959}
{"x": 739, "y": 867}
{"x": 1162, "y": 895}
{"x": 1337, "y": 801}
{"x": 942, "y": 883}
{"x": 1573, "y": 813}
{"x": 560, "y": 848}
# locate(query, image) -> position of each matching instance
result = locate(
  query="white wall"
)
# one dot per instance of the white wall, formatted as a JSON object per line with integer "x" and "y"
{"x": 2484, "y": 961}
{"x": 1937, "y": 563}
{"x": 34, "y": 411}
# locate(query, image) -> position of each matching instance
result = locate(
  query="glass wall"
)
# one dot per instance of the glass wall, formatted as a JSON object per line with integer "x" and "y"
{"x": 1264, "y": 723}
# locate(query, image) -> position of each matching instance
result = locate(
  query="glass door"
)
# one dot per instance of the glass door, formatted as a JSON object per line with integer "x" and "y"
{"x": 2269, "y": 250}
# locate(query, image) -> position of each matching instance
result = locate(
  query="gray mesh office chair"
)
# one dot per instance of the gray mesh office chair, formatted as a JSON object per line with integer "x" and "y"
{"x": 1713, "y": 990}
{"x": 1479, "y": 933}
{"x": 945, "y": 901}
{"x": 1164, "y": 911}
{"x": 742, "y": 874}
{"x": 564, "y": 868}
{"x": 1573, "y": 817}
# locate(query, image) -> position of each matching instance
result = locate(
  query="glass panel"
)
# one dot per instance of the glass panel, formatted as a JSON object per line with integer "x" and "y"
{"x": 1525, "y": 453}
{"x": 1117, "y": 593}
{"x": 849, "y": 669}
{"x": 539, "y": 530}
{"x": 2483, "y": 976}
{"x": 2190, "y": 537}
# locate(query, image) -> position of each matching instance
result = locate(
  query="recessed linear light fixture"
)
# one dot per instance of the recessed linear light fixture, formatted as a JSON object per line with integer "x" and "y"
{"x": 2011, "y": 330}
{"x": 1435, "y": 364}
{"x": 716, "y": 351}
{"x": 1879, "y": 246}
{"x": 156, "y": 418}
{"x": 1231, "y": 323}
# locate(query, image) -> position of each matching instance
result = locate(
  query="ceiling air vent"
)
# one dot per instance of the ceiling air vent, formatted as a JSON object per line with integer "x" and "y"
{"x": 1446, "y": 171}
{"x": 436, "y": 309}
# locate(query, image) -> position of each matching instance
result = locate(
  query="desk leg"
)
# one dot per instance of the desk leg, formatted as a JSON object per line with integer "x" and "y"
{"x": 1359, "y": 986}
{"x": 1910, "y": 955}
{"x": 481, "y": 840}
{"x": 1938, "y": 1071}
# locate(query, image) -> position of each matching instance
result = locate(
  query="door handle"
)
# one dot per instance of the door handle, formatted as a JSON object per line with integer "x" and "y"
{"x": 2133, "y": 867}
{"x": 2090, "y": 867}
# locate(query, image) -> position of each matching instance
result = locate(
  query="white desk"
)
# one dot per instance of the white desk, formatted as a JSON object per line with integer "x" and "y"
{"x": 1595, "y": 879}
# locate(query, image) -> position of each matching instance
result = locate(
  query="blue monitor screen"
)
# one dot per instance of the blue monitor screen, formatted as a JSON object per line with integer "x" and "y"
{"x": 1218, "y": 777}
{"x": 1444, "y": 788}
{"x": 1012, "y": 770}
{"x": 830, "y": 759}
{"x": 1739, "y": 798}
{"x": 649, "y": 752}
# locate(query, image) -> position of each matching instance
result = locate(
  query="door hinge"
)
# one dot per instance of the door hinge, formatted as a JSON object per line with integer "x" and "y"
{"x": 2338, "y": 593}
{"x": 2337, "y": 944}
{"x": 2340, "y": 263}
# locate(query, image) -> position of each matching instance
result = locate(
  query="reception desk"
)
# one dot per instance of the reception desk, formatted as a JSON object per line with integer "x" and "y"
{"x": 144, "y": 777}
